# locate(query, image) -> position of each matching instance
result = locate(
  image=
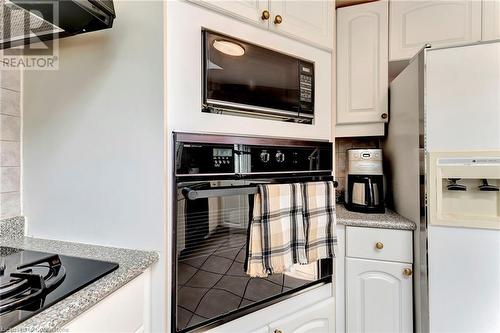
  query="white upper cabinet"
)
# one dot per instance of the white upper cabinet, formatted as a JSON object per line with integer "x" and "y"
{"x": 362, "y": 63}
{"x": 248, "y": 10}
{"x": 439, "y": 23}
{"x": 310, "y": 21}
{"x": 319, "y": 318}
{"x": 491, "y": 20}
{"x": 378, "y": 296}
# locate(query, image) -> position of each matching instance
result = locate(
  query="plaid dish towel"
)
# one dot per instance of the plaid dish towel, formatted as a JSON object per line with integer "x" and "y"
{"x": 291, "y": 224}
{"x": 276, "y": 232}
{"x": 318, "y": 200}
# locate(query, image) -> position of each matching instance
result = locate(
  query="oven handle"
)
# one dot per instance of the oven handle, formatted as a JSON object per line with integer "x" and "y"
{"x": 218, "y": 192}
{"x": 191, "y": 194}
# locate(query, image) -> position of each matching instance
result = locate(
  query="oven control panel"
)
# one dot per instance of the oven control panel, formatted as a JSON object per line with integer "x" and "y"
{"x": 252, "y": 157}
{"x": 222, "y": 158}
{"x": 203, "y": 158}
{"x": 287, "y": 159}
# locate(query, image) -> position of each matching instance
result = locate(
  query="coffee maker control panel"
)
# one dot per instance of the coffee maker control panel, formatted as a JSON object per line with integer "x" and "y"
{"x": 364, "y": 162}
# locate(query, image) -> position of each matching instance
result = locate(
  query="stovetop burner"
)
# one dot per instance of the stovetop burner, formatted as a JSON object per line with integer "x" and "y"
{"x": 31, "y": 281}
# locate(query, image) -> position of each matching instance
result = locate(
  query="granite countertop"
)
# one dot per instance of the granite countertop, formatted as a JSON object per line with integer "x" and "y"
{"x": 131, "y": 264}
{"x": 389, "y": 220}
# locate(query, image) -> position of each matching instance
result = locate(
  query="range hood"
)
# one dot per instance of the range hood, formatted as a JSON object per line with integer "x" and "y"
{"x": 29, "y": 21}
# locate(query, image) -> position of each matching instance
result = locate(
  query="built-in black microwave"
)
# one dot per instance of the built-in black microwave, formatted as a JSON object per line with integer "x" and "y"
{"x": 245, "y": 79}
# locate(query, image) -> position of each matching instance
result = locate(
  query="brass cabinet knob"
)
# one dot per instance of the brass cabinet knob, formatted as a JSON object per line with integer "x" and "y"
{"x": 379, "y": 245}
{"x": 278, "y": 331}
{"x": 407, "y": 271}
{"x": 265, "y": 15}
{"x": 278, "y": 19}
{"x": 384, "y": 115}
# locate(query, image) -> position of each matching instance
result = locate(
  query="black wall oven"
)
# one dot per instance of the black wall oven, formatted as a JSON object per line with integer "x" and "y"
{"x": 246, "y": 79}
{"x": 216, "y": 178}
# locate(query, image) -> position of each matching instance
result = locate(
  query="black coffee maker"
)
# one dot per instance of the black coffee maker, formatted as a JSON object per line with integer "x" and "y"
{"x": 365, "y": 181}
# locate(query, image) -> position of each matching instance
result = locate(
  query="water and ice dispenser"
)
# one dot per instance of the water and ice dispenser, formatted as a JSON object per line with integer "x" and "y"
{"x": 464, "y": 189}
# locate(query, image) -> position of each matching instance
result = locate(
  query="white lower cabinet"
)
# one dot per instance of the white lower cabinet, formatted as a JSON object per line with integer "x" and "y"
{"x": 264, "y": 329}
{"x": 378, "y": 296}
{"x": 127, "y": 310}
{"x": 315, "y": 319}
{"x": 374, "y": 285}
{"x": 310, "y": 312}
{"x": 379, "y": 244}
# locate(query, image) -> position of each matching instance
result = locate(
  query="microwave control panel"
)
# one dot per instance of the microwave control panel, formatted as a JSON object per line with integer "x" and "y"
{"x": 306, "y": 81}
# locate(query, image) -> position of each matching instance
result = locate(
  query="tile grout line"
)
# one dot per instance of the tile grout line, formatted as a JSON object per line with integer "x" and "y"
{"x": 10, "y": 89}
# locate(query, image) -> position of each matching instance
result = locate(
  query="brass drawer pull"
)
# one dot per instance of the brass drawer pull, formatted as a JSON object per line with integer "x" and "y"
{"x": 265, "y": 15}
{"x": 407, "y": 272}
{"x": 379, "y": 245}
{"x": 278, "y": 331}
{"x": 278, "y": 19}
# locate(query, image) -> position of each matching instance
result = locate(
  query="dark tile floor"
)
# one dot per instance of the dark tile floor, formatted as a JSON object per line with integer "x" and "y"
{"x": 212, "y": 280}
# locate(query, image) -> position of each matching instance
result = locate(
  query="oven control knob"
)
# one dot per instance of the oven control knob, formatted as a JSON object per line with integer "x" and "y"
{"x": 280, "y": 157}
{"x": 264, "y": 156}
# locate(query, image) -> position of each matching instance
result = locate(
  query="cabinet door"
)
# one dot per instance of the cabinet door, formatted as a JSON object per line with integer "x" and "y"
{"x": 362, "y": 63}
{"x": 439, "y": 23}
{"x": 249, "y": 10}
{"x": 319, "y": 318}
{"x": 132, "y": 318}
{"x": 264, "y": 329}
{"x": 311, "y": 21}
{"x": 378, "y": 296}
{"x": 491, "y": 20}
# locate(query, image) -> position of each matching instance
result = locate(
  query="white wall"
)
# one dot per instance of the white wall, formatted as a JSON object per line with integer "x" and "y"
{"x": 93, "y": 140}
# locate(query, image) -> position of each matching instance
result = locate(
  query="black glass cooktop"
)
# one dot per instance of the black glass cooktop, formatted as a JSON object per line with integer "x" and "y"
{"x": 31, "y": 281}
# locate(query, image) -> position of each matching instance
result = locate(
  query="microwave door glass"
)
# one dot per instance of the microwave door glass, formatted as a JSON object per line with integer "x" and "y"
{"x": 247, "y": 74}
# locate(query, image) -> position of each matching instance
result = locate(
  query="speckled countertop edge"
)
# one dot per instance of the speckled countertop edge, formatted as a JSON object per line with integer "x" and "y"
{"x": 131, "y": 264}
{"x": 12, "y": 228}
{"x": 389, "y": 220}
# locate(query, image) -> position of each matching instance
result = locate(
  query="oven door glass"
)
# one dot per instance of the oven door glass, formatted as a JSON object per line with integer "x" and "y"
{"x": 259, "y": 77}
{"x": 211, "y": 240}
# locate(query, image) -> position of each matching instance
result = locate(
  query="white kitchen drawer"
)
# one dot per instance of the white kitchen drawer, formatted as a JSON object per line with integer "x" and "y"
{"x": 397, "y": 245}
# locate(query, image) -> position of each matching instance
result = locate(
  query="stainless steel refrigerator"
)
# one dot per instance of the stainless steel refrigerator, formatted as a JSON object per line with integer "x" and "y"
{"x": 443, "y": 158}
